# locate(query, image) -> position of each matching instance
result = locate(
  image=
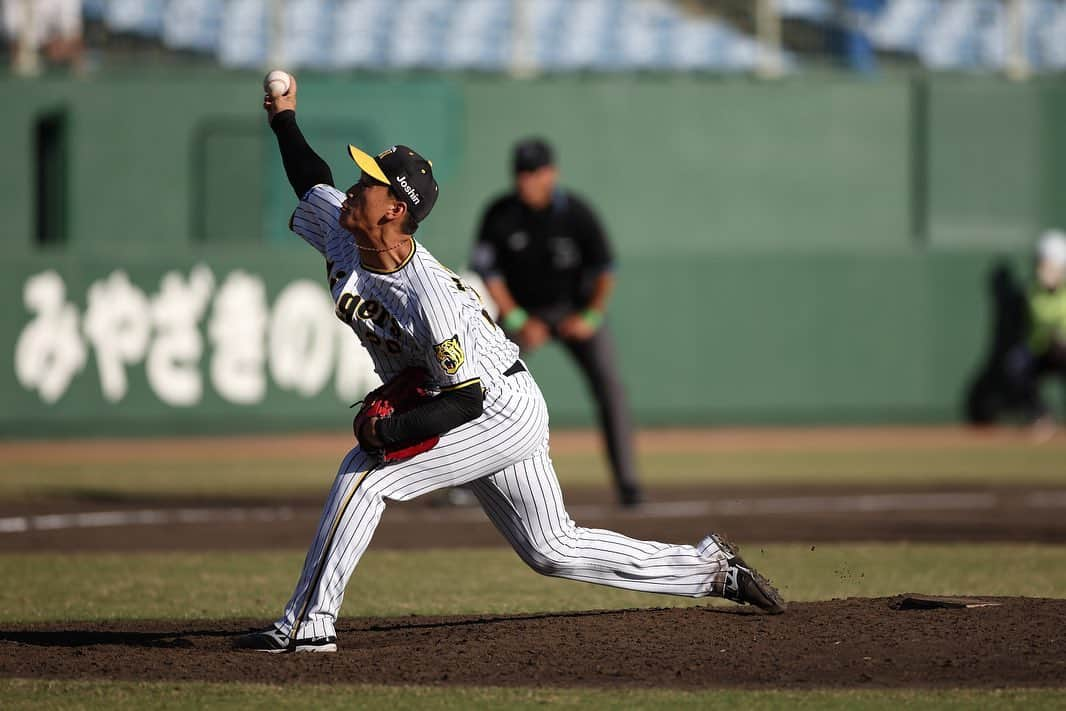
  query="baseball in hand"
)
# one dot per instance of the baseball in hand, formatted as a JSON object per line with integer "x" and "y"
{"x": 277, "y": 83}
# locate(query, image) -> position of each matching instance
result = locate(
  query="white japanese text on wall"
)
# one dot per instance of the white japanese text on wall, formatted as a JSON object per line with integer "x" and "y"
{"x": 196, "y": 331}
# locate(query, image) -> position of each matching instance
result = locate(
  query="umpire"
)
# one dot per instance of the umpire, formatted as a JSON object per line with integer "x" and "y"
{"x": 546, "y": 262}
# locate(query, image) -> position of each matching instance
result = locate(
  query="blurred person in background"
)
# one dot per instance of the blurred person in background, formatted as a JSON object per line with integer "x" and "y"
{"x": 1043, "y": 353}
{"x": 991, "y": 392}
{"x": 546, "y": 262}
{"x": 51, "y": 26}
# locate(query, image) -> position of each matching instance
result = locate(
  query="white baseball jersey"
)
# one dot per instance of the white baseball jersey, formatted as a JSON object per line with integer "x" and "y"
{"x": 421, "y": 314}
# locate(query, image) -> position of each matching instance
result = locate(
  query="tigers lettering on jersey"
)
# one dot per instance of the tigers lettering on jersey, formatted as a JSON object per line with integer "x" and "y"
{"x": 354, "y": 310}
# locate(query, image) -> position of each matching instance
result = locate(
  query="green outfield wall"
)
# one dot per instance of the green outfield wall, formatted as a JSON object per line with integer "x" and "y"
{"x": 814, "y": 250}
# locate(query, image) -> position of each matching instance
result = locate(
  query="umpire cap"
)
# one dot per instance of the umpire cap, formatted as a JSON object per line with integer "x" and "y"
{"x": 408, "y": 174}
{"x": 532, "y": 154}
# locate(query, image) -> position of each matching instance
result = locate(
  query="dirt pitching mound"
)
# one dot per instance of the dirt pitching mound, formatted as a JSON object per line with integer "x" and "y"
{"x": 840, "y": 643}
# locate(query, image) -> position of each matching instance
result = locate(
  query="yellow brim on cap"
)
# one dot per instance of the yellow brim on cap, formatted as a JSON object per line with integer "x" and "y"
{"x": 367, "y": 164}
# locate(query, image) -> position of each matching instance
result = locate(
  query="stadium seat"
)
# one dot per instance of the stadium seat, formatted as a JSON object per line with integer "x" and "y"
{"x": 900, "y": 24}
{"x": 992, "y": 45}
{"x": 644, "y": 31}
{"x": 142, "y": 17}
{"x": 566, "y": 35}
{"x": 584, "y": 35}
{"x": 1051, "y": 38}
{"x": 479, "y": 35}
{"x": 244, "y": 35}
{"x": 546, "y": 20}
{"x": 740, "y": 53}
{"x": 816, "y": 11}
{"x": 192, "y": 24}
{"x": 699, "y": 44}
{"x": 420, "y": 45}
{"x": 952, "y": 41}
{"x": 1042, "y": 45}
{"x": 306, "y": 39}
{"x": 360, "y": 30}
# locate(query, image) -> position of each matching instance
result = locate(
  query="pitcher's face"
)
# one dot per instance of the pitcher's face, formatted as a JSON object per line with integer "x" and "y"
{"x": 367, "y": 203}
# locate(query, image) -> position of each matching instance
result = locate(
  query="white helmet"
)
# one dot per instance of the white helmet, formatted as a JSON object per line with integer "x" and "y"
{"x": 1052, "y": 248}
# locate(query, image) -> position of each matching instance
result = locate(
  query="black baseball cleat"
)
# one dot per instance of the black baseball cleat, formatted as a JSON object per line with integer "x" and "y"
{"x": 273, "y": 641}
{"x": 745, "y": 585}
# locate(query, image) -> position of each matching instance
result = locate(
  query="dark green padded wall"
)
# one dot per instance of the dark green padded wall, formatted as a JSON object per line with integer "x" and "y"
{"x": 813, "y": 250}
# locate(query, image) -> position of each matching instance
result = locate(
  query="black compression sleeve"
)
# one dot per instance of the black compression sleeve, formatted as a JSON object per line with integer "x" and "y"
{"x": 437, "y": 416}
{"x": 303, "y": 166}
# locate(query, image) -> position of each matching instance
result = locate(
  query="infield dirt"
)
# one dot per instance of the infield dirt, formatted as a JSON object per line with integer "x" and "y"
{"x": 839, "y": 643}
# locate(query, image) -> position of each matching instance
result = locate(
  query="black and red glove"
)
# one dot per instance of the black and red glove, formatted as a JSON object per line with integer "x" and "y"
{"x": 406, "y": 391}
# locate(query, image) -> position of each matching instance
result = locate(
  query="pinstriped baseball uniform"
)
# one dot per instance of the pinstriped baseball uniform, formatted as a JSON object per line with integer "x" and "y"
{"x": 422, "y": 314}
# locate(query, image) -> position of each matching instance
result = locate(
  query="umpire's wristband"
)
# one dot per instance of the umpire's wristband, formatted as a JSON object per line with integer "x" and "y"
{"x": 515, "y": 319}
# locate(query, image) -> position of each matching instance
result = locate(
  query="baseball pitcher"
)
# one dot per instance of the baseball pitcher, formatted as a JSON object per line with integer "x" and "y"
{"x": 458, "y": 407}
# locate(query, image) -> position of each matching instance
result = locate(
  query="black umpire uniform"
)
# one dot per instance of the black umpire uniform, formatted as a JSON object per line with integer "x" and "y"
{"x": 550, "y": 259}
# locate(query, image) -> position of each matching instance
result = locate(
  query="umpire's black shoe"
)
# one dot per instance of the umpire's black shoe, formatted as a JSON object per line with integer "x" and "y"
{"x": 745, "y": 585}
{"x": 274, "y": 642}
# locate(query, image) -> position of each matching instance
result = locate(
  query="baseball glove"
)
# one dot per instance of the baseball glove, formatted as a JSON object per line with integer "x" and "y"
{"x": 403, "y": 393}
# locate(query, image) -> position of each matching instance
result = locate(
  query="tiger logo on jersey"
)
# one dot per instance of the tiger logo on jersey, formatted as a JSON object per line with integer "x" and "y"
{"x": 450, "y": 355}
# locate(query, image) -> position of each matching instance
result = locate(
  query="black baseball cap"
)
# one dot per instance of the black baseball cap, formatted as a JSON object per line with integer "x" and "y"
{"x": 407, "y": 173}
{"x": 531, "y": 154}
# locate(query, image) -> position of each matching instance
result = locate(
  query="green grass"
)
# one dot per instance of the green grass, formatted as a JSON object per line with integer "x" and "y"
{"x": 1017, "y": 463}
{"x": 34, "y": 694}
{"x": 220, "y": 585}
{"x": 389, "y": 583}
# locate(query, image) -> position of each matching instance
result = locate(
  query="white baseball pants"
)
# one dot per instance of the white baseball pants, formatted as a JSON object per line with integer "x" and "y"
{"x": 503, "y": 458}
